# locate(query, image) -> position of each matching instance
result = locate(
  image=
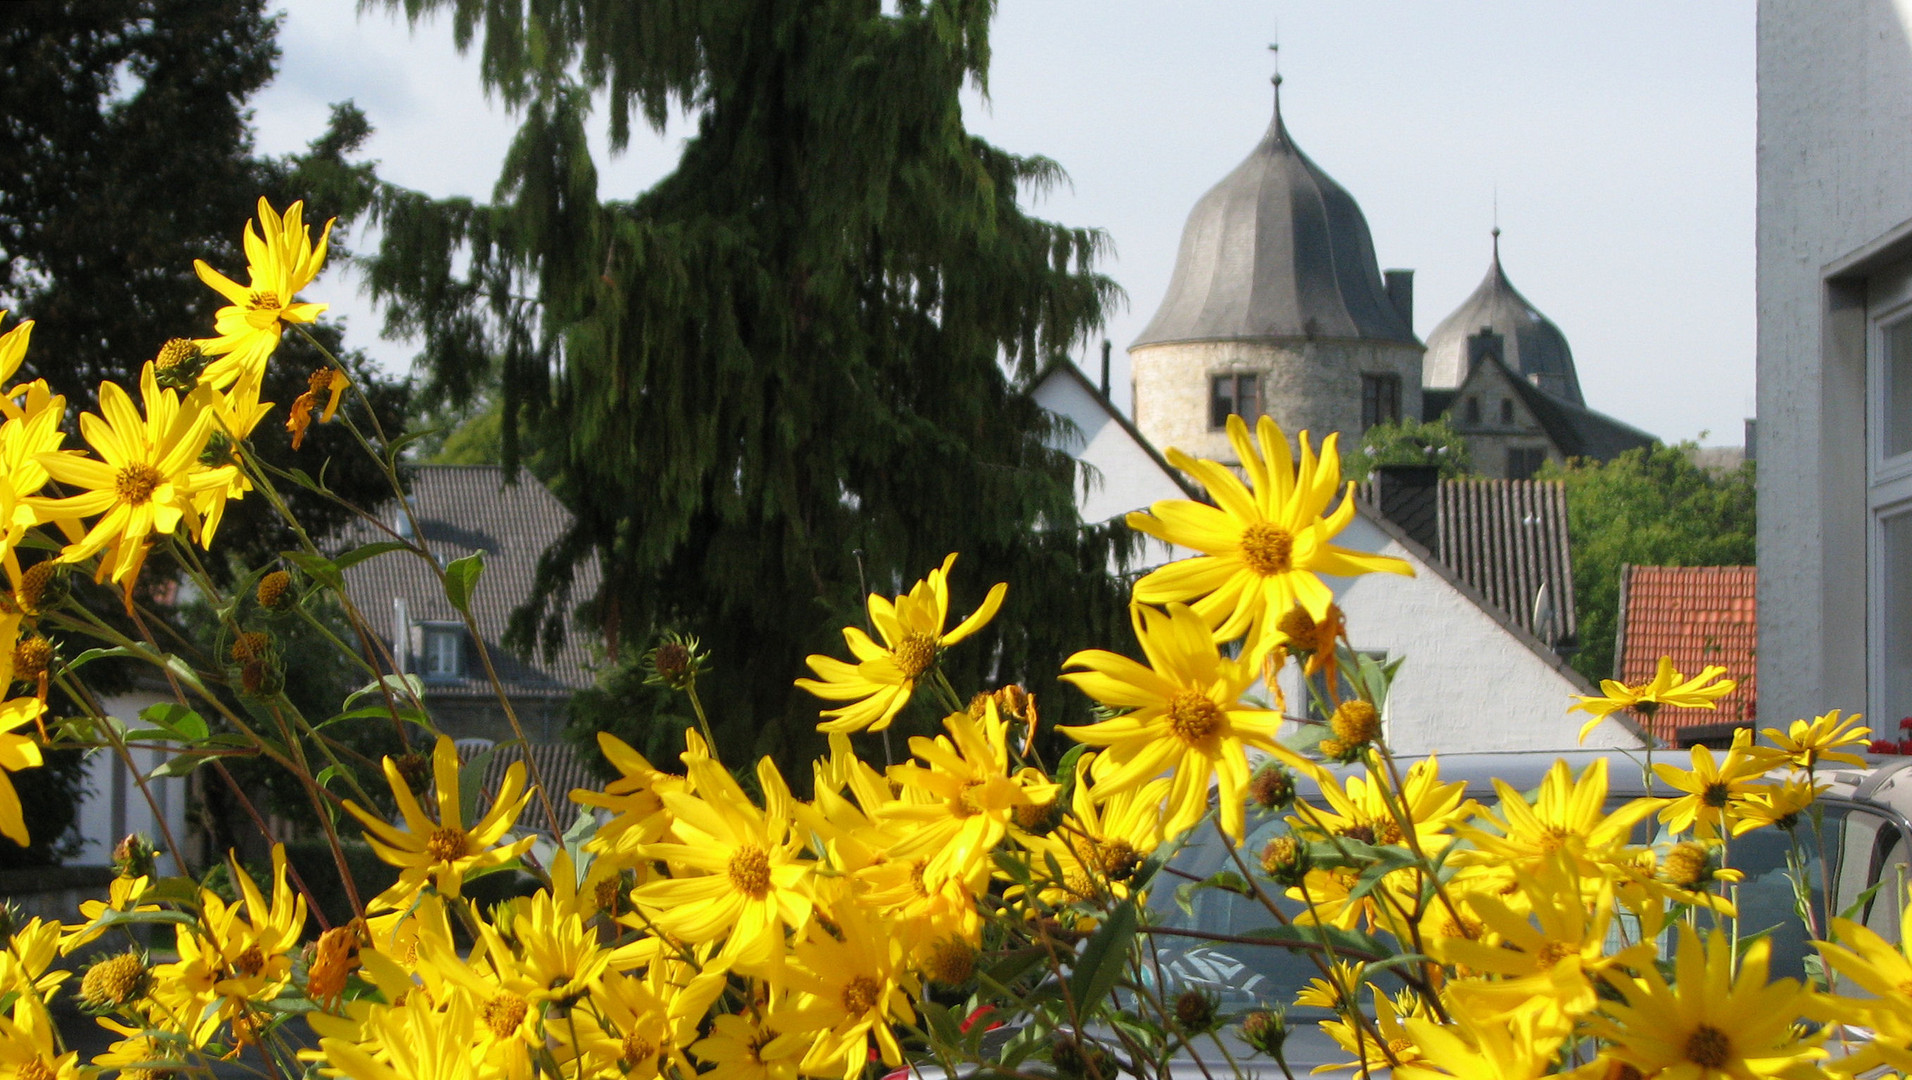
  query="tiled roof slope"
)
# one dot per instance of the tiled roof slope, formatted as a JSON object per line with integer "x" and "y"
{"x": 1504, "y": 538}
{"x": 1698, "y": 615}
{"x": 462, "y": 509}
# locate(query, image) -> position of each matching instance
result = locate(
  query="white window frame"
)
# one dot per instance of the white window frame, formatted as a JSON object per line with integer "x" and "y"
{"x": 435, "y": 635}
{"x": 1888, "y": 480}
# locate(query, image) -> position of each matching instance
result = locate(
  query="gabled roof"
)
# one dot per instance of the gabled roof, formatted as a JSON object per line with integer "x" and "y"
{"x": 1065, "y": 368}
{"x": 1276, "y": 250}
{"x": 1575, "y": 430}
{"x": 463, "y": 509}
{"x": 1699, "y": 616}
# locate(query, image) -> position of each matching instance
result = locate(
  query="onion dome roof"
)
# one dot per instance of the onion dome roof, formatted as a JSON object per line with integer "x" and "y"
{"x": 1276, "y": 250}
{"x": 1532, "y": 346}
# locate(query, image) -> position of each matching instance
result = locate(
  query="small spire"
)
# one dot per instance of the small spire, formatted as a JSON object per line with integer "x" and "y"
{"x": 1275, "y": 48}
{"x": 1496, "y": 235}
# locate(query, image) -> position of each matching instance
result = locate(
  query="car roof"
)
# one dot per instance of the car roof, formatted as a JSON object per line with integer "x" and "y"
{"x": 1886, "y": 779}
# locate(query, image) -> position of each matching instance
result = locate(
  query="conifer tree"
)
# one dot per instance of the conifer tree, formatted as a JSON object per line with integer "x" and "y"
{"x": 797, "y": 367}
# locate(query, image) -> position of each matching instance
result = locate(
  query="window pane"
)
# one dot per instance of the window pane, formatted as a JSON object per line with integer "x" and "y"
{"x": 1898, "y": 386}
{"x": 1895, "y": 659}
{"x": 1248, "y": 397}
{"x": 1221, "y": 400}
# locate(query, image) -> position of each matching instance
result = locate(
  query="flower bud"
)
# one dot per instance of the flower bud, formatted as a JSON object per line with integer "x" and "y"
{"x": 1355, "y": 722}
{"x": 275, "y": 590}
{"x": 115, "y": 982}
{"x": 1286, "y": 860}
{"x": 42, "y": 587}
{"x": 31, "y": 658}
{"x": 134, "y": 856}
{"x": 1272, "y": 787}
{"x": 179, "y": 365}
{"x": 1265, "y": 1031}
{"x": 1195, "y": 1011}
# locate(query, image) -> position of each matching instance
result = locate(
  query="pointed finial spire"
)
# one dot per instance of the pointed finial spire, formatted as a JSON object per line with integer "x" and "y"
{"x": 1496, "y": 230}
{"x": 1496, "y": 235}
{"x": 1275, "y": 48}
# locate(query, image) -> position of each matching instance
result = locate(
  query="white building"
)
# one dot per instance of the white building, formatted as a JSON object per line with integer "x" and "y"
{"x": 1835, "y": 358}
{"x": 1476, "y": 676}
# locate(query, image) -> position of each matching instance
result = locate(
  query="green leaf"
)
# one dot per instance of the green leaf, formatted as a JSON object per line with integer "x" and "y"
{"x": 318, "y": 568}
{"x": 184, "y": 673}
{"x": 1066, "y": 775}
{"x": 402, "y": 687}
{"x": 91, "y": 655}
{"x": 942, "y": 1026}
{"x": 410, "y": 437}
{"x": 471, "y": 781}
{"x": 1104, "y": 956}
{"x": 366, "y": 551}
{"x": 461, "y": 577}
{"x": 177, "y": 719}
{"x": 179, "y": 765}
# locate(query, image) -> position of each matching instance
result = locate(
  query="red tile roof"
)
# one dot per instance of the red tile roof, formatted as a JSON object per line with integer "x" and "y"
{"x": 1698, "y": 615}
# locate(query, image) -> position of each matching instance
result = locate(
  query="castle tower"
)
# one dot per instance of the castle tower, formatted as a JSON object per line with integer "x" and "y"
{"x": 1277, "y": 305}
{"x": 1531, "y": 346}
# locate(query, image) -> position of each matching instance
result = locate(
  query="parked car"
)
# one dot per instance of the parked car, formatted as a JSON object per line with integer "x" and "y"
{"x": 1867, "y": 829}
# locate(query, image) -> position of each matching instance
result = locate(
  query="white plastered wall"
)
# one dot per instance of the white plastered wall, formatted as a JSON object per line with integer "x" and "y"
{"x": 1835, "y": 175}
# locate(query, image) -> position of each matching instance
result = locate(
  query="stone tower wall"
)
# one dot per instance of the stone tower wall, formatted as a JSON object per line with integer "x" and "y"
{"x": 1312, "y": 385}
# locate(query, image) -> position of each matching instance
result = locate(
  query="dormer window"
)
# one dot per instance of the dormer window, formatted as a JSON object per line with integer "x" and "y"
{"x": 1235, "y": 394}
{"x": 444, "y": 652}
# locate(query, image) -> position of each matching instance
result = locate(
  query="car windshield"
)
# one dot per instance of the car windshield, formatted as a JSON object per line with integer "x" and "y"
{"x": 1863, "y": 847}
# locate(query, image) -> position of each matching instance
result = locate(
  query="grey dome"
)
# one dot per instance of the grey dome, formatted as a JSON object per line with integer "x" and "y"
{"x": 1532, "y": 346}
{"x": 1276, "y": 250}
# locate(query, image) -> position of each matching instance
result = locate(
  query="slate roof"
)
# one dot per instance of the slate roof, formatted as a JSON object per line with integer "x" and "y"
{"x": 1505, "y": 538}
{"x": 1276, "y": 250}
{"x": 462, "y": 509}
{"x": 1577, "y": 430}
{"x": 1508, "y": 539}
{"x": 1698, "y": 615}
{"x": 1535, "y": 347}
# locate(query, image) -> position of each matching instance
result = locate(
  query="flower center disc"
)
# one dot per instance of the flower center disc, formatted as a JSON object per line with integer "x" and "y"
{"x": 135, "y": 483}
{"x": 444, "y": 845}
{"x": 1716, "y": 795}
{"x": 859, "y": 996}
{"x": 1708, "y": 1047}
{"x": 1192, "y": 717}
{"x": 251, "y": 962}
{"x": 750, "y": 871}
{"x": 503, "y": 1014}
{"x": 638, "y": 1049}
{"x": 914, "y": 654}
{"x": 263, "y": 300}
{"x": 1267, "y": 549}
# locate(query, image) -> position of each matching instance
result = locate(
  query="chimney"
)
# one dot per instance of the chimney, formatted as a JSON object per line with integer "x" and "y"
{"x": 1409, "y": 496}
{"x": 1482, "y": 345}
{"x": 1401, "y": 292}
{"x": 1105, "y": 367}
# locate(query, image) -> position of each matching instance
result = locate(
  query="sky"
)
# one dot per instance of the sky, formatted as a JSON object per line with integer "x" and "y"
{"x": 1614, "y": 141}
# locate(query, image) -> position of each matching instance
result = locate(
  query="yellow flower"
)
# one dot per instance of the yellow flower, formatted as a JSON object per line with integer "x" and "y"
{"x": 634, "y": 799}
{"x": 1187, "y": 718}
{"x": 122, "y": 894}
{"x": 1884, "y": 972}
{"x": 412, "y": 1042}
{"x": 970, "y": 795}
{"x": 762, "y": 1044}
{"x": 280, "y": 263}
{"x": 326, "y": 382}
{"x": 1567, "y": 815}
{"x": 1103, "y": 844}
{"x": 239, "y": 952}
{"x": 1715, "y": 791}
{"x": 743, "y": 878}
{"x": 1359, "y": 808}
{"x": 635, "y": 1026}
{"x": 1776, "y": 804}
{"x": 854, "y": 988}
{"x": 444, "y": 852}
{"x": 1709, "y": 1024}
{"x": 1807, "y": 743}
{"x": 1394, "y": 1048}
{"x": 1264, "y": 545}
{"x": 144, "y": 481}
{"x": 1519, "y": 1049}
{"x": 17, "y": 752}
{"x": 28, "y": 1050}
{"x": 879, "y": 684}
{"x": 1667, "y": 687}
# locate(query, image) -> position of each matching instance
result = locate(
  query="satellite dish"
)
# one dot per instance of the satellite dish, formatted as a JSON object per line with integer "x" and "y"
{"x": 1543, "y": 619}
